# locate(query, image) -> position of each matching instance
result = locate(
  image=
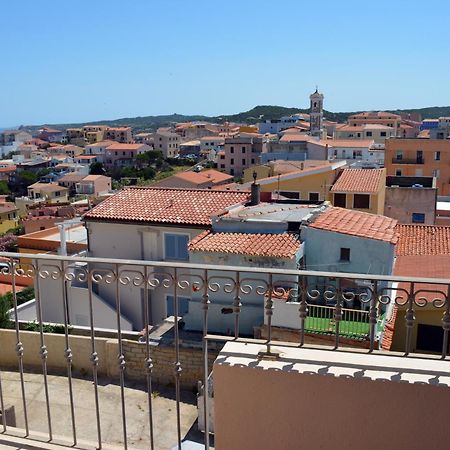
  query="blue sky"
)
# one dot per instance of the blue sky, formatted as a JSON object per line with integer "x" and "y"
{"x": 69, "y": 61}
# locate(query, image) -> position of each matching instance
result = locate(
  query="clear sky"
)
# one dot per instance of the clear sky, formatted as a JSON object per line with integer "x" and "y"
{"x": 70, "y": 61}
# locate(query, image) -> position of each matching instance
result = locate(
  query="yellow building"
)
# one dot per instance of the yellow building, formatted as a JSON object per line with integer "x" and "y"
{"x": 52, "y": 193}
{"x": 421, "y": 251}
{"x": 280, "y": 167}
{"x": 9, "y": 217}
{"x": 311, "y": 183}
{"x": 360, "y": 189}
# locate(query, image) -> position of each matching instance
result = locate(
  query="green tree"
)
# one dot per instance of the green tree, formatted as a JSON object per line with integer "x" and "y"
{"x": 4, "y": 190}
{"x": 96, "y": 168}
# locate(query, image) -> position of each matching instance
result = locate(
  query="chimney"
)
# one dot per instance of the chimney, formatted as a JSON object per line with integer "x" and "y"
{"x": 255, "y": 191}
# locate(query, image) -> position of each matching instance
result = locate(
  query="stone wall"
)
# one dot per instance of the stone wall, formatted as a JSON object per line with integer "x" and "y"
{"x": 162, "y": 354}
{"x": 163, "y": 358}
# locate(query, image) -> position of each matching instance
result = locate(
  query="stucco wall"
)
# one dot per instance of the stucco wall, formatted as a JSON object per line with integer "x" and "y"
{"x": 319, "y": 399}
{"x": 402, "y": 202}
{"x": 368, "y": 256}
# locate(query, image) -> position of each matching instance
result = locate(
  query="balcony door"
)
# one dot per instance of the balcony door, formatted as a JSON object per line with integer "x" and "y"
{"x": 419, "y": 157}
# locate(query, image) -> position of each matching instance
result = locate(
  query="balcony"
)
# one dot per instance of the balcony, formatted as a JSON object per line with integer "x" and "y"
{"x": 87, "y": 387}
{"x": 408, "y": 161}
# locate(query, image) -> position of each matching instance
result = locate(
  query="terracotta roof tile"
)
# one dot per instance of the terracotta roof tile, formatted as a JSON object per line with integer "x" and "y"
{"x": 357, "y": 223}
{"x": 423, "y": 240}
{"x": 166, "y": 206}
{"x": 359, "y": 180}
{"x": 272, "y": 245}
{"x": 388, "y": 334}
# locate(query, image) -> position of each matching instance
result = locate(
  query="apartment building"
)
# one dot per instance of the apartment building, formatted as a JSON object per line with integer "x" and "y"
{"x": 376, "y": 132}
{"x": 98, "y": 149}
{"x": 119, "y": 155}
{"x": 52, "y": 193}
{"x": 93, "y": 185}
{"x": 420, "y": 157}
{"x": 119, "y": 134}
{"x": 167, "y": 142}
{"x": 241, "y": 152}
{"x": 360, "y": 189}
{"x": 376, "y": 118}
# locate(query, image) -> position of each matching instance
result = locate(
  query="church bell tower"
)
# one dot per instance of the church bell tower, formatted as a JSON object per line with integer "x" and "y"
{"x": 316, "y": 114}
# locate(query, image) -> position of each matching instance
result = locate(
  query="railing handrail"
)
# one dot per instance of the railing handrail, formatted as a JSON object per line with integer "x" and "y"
{"x": 242, "y": 269}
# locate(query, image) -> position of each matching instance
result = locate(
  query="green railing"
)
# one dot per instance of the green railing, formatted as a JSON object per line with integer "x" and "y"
{"x": 354, "y": 323}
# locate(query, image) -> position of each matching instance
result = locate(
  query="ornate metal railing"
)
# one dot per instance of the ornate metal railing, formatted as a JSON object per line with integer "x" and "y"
{"x": 217, "y": 294}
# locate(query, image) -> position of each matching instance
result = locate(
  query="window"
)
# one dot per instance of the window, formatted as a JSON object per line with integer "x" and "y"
{"x": 222, "y": 156}
{"x": 232, "y": 161}
{"x": 231, "y": 171}
{"x": 340, "y": 200}
{"x": 244, "y": 161}
{"x": 345, "y": 254}
{"x": 369, "y": 134}
{"x": 436, "y": 173}
{"x": 253, "y": 160}
{"x": 437, "y": 156}
{"x": 183, "y": 305}
{"x": 231, "y": 149}
{"x": 313, "y": 196}
{"x": 175, "y": 246}
{"x": 398, "y": 173}
{"x": 361, "y": 201}
{"x": 399, "y": 155}
{"x": 291, "y": 194}
{"x": 222, "y": 166}
{"x": 418, "y": 218}
{"x": 243, "y": 149}
{"x": 383, "y": 134}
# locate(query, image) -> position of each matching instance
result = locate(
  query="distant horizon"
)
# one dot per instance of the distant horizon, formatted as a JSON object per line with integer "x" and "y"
{"x": 126, "y": 116}
{"x": 82, "y": 61}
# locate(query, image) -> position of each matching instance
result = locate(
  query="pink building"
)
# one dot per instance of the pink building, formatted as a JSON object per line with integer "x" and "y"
{"x": 241, "y": 152}
{"x": 120, "y": 155}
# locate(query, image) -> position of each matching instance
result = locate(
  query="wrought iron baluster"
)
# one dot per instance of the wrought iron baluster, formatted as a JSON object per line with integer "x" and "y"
{"x": 409, "y": 319}
{"x": 177, "y": 365}
{"x": 121, "y": 358}
{"x": 148, "y": 363}
{"x": 205, "y": 307}
{"x": 337, "y": 313}
{"x": 19, "y": 345}
{"x": 94, "y": 358}
{"x": 373, "y": 316}
{"x": 446, "y": 324}
{"x": 269, "y": 313}
{"x": 68, "y": 351}
{"x": 237, "y": 305}
{"x": 303, "y": 308}
{"x": 43, "y": 348}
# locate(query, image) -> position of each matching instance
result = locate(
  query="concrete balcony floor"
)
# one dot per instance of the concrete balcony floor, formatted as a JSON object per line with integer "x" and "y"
{"x": 164, "y": 413}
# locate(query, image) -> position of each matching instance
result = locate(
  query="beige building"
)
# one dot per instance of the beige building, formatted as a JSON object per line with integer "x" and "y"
{"x": 376, "y": 132}
{"x": 119, "y": 134}
{"x": 167, "y": 142}
{"x": 94, "y": 185}
{"x": 376, "y": 118}
{"x": 50, "y": 192}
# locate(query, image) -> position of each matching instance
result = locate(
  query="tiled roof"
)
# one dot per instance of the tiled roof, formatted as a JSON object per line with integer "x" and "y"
{"x": 272, "y": 245}
{"x": 357, "y": 223}
{"x": 49, "y": 187}
{"x": 214, "y": 176}
{"x": 119, "y": 147}
{"x": 423, "y": 240}
{"x": 295, "y": 137}
{"x": 349, "y": 143}
{"x": 71, "y": 177}
{"x": 389, "y": 329}
{"x": 359, "y": 180}
{"x": 166, "y": 206}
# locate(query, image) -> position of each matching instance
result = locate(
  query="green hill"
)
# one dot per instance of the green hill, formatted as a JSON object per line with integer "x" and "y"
{"x": 254, "y": 115}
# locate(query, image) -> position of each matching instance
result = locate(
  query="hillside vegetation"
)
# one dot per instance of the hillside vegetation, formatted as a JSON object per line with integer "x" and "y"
{"x": 254, "y": 115}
